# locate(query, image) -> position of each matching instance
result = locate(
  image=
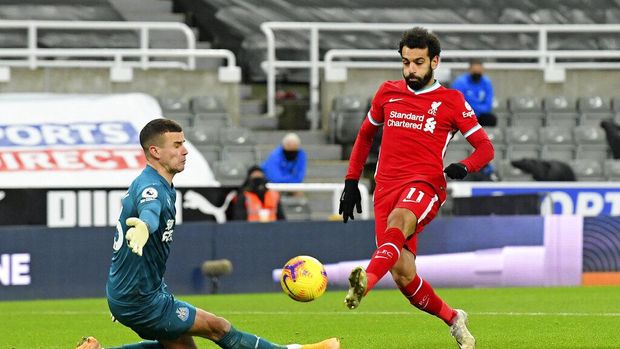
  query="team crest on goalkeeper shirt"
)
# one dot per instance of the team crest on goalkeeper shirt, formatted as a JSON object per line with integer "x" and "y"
{"x": 183, "y": 313}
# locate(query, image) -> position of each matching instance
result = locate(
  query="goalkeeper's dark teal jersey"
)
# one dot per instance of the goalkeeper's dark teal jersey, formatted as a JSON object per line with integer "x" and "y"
{"x": 136, "y": 278}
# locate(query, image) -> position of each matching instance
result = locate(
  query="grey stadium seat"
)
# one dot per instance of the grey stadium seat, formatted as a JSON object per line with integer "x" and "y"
{"x": 230, "y": 172}
{"x": 526, "y": 111}
{"x": 200, "y": 136}
{"x": 236, "y": 136}
{"x": 588, "y": 170}
{"x": 556, "y": 135}
{"x": 522, "y": 151}
{"x": 500, "y": 109}
{"x": 589, "y": 134}
{"x": 211, "y": 153}
{"x": 522, "y": 135}
{"x": 245, "y": 154}
{"x": 177, "y": 109}
{"x": 206, "y": 105}
{"x": 212, "y": 122}
{"x": 350, "y": 103}
{"x": 593, "y": 110}
{"x": 592, "y": 151}
{"x": 560, "y": 111}
{"x": 511, "y": 173}
{"x": 347, "y": 124}
{"x": 612, "y": 170}
{"x": 561, "y": 152}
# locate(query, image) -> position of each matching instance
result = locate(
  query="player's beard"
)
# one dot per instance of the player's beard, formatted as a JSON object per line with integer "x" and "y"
{"x": 419, "y": 82}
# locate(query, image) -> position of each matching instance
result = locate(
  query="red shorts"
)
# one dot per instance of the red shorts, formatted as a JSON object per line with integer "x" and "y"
{"x": 417, "y": 197}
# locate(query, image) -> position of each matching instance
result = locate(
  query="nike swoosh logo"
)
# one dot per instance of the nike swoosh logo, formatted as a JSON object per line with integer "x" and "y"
{"x": 395, "y": 99}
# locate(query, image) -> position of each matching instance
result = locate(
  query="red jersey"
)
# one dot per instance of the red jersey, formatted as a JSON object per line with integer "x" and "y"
{"x": 417, "y": 127}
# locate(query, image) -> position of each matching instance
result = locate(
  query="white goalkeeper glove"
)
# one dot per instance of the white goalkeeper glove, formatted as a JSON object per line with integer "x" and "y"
{"x": 137, "y": 235}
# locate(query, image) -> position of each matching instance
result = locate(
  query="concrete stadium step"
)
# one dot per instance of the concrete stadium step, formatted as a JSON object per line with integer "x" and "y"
{"x": 327, "y": 169}
{"x": 313, "y": 151}
{"x": 275, "y": 137}
{"x": 258, "y": 122}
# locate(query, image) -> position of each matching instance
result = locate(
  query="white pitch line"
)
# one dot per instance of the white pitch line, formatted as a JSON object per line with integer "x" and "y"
{"x": 350, "y": 313}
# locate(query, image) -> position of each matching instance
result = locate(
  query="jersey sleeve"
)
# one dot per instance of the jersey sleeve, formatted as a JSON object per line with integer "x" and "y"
{"x": 466, "y": 122}
{"x": 150, "y": 204}
{"x": 464, "y": 117}
{"x": 375, "y": 114}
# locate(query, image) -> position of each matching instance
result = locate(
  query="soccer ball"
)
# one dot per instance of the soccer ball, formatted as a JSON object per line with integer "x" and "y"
{"x": 303, "y": 278}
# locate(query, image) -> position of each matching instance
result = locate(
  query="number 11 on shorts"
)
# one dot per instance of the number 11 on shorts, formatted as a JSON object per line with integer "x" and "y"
{"x": 409, "y": 197}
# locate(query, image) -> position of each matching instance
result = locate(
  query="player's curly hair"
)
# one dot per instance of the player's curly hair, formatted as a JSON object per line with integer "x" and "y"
{"x": 419, "y": 37}
{"x": 156, "y": 128}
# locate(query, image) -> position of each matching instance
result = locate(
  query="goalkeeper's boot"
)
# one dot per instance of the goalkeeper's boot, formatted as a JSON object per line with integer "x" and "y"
{"x": 459, "y": 331}
{"x": 357, "y": 288}
{"x": 88, "y": 343}
{"x": 331, "y": 343}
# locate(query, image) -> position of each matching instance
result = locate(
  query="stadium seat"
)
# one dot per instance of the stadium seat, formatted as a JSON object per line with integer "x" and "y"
{"x": 560, "y": 111}
{"x": 593, "y": 110}
{"x": 588, "y": 169}
{"x": 557, "y": 143}
{"x": 350, "y": 103}
{"x": 500, "y": 109}
{"x": 211, "y": 153}
{"x": 245, "y": 154}
{"x": 526, "y": 111}
{"x": 612, "y": 170}
{"x": 236, "y": 136}
{"x": 512, "y": 174}
{"x": 347, "y": 125}
{"x": 589, "y": 134}
{"x": 219, "y": 121}
{"x": 561, "y": 152}
{"x": 556, "y": 135}
{"x": 522, "y": 151}
{"x": 592, "y": 151}
{"x": 202, "y": 136}
{"x": 496, "y": 135}
{"x": 206, "y": 105}
{"x": 528, "y": 119}
{"x": 177, "y": 109}
{"x": 522, "y": 135}
{"x": 229, "y": 172}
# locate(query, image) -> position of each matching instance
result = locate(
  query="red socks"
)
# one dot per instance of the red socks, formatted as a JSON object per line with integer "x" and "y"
{"x": 422, "y": 296}
{"x": 385, "y": 256}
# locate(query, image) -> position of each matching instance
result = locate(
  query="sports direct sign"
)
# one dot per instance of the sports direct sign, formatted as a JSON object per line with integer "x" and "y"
{"x": 567, "y": 198}
{"x": 49, "y": 140}
{"x": 65, "y": 147}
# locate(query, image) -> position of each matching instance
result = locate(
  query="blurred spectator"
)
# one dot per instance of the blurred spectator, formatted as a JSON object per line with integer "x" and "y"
{"x": 254, "y": 202}
{"x": 287, "y": 162}
{"x": 546, "y": 170}
{"x": 612, "y": 133}
{"x": 478, "y": 91}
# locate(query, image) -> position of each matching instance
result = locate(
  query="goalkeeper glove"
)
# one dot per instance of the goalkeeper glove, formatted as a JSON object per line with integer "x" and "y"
{"x": 456, "y": 170}
{"x": 137, "y": 235}
{"x": 349, "y": 199}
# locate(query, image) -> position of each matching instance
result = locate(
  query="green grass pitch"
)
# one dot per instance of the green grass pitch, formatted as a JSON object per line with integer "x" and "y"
{"x": 579, "y": 317}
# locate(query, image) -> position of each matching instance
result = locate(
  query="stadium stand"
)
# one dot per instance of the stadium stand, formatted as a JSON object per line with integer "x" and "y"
{"x": 560, "y": 111}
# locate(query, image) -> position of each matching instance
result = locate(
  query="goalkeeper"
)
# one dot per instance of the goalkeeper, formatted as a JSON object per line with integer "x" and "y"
{"x": 137, "y": 295}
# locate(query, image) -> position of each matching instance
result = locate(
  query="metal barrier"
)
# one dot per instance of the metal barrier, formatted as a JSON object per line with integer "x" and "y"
{"x": 33, "y": 56}
{"x": 545, "y": 59}
{"x": 335, "y": 188}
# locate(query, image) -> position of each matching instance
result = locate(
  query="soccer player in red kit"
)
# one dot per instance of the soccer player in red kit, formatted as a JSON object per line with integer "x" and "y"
{"x": 419, "y": 118}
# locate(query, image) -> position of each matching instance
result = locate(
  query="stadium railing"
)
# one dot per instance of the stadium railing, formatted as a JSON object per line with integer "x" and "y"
{"x": 335, "y": 188}
{"x": 142, "y": 56}
{"x": 552, "y": 62}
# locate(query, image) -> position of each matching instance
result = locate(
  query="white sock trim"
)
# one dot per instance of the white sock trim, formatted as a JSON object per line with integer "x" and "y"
{"x": 393, "y": 246}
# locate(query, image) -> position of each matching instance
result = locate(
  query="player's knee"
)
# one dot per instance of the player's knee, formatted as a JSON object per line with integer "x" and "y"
{"x": 211, "y": 326}
{"x": 402, "y": 279}
{"x": 402, "y": 219}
